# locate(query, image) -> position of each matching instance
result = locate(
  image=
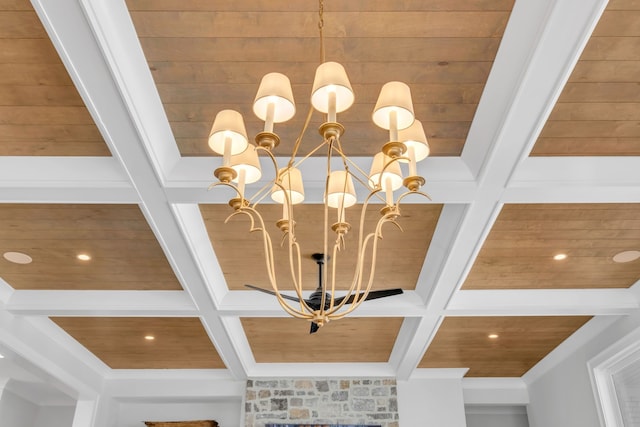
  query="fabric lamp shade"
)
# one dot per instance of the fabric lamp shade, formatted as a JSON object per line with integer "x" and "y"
{"x": 275, "y": 88}
{"x": 291, "y": 180}
{"x": 331, "y": 77}
{"x": 340, "y": 190}
{"x": 392, "y": 174}
{"x": 394, "y": 97}
{"x": 228, "y": 126}
{"x": 414, "y": 136}
{"x": 249, "y": 162}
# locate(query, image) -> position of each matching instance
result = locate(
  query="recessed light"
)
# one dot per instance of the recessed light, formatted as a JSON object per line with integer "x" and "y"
{"x": 83, "y": 257}
{"x": 1, "y": 356}
{"x": 560, "y": 257}
{"x": 492, "y": 336}
{"x": 17, "y": 257}
{"x": 626, "y": 256}
{"x": 149, "y": 337}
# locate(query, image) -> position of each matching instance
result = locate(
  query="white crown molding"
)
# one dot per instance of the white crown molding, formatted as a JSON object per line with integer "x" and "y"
{"x": 495, "y": 391}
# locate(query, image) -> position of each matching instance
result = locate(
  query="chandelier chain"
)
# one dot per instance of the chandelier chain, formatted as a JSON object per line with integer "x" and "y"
{"x": 320, "y": 28}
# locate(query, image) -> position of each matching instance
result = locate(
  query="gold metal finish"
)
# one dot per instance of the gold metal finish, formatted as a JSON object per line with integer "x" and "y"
{"x": 394, "y": 149}
{"x": 236, "y": 203}
{"x": 341, "y": 228}
{"x": 413, "y": 183}
{"x": 284, "y": 225}
{"x": 391, "y": 212}
{"x": 225, "y": 174}
{"x": 268, "y": 140}
{"x": 330, "y": 130}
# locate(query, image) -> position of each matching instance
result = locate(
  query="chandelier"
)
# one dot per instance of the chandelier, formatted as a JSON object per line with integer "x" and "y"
{"x": 331, "y": 94}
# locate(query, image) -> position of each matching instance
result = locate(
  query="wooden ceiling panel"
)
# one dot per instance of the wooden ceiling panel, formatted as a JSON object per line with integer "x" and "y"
{"x": 41, "y": 112}
{"x": 348, "y": 340}
{"x": 598, "y": 112}
{"x": 125, "y": 253}
{"x": 400, "y": 258}
{"x": 179, "y": 342}
{"x": 463, "y": 342}
{"x": 205, "y": 60}
{"x": 518, "y": 253}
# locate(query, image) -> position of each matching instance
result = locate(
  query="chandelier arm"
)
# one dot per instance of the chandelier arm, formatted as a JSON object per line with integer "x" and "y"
{"x": 359, "y": 298}
{"x": 333, "y": 280}
{"x": 226, "y": 184}
{"x": 263, "y": 192}
{"x": 269, "y": 260}
{"x": 348, "y": 160}
{"x": 385, "y": 167}
{"x": 323, "y": 284}
{"x": 301, "y": 135}
{"x": 363, "y": 183}
{"x": 356, "y": 282}
{"x": 408, "y": 193}
{"x": 354, "y": 290}
{"x": 296, "y": 275}
{"x": 311, "y": 153}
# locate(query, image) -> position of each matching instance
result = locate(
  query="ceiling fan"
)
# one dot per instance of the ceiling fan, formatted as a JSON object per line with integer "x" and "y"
{"x": 315, "y": 299}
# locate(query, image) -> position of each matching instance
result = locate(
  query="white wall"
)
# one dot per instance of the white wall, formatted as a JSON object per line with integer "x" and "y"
{"x": 431, "y": 402}
{"x": 225, "y": 412}
{"x": 54, "y": 416}
{"x": 16, "y": 411}
{"x": 563, "y": 395}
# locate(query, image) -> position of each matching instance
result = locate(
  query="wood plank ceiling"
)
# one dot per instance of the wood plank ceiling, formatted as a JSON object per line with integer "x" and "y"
{"x": 519, "y": 251}
{"x": 598, "y": 113}
{"x": 208, "y": 56}
{"x": 121, "y": 343}
{"x": 41, "y": 112}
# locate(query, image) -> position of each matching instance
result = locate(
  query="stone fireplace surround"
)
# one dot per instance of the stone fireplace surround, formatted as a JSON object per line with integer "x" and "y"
{"x": 313, "y": 401}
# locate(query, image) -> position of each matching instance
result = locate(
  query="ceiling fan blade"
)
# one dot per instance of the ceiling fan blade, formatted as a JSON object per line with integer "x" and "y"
{"x": 372, "y": 295}
{"x": 270, "y": 292}
{"x": 314, "y": 328}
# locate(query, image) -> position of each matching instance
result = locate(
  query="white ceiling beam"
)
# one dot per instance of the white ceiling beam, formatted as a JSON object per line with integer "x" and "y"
{"x": 540, "y": 46}
{"x": 259, "y": 304}
{"x": 448, "y": 180}
{"x": 524, "y": 302}
{"x": 575, "y": 179}
{"x": 64, "y": 180}
{"x": 101, "y": 303}
{"x": 542, "y": 302}
{"x": 98, "y": 44}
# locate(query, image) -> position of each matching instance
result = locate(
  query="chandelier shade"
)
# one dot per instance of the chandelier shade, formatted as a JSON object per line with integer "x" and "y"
{"x": 291, "y": 180}
{"x": 228, "y": 135}
{"x": 394, "y": 108}
{"x": 331, "y": 81}
{"x": 247, "y": 165}
{"x": 274, "y": 100}
{"x": 385, "y": 173}
{"x": 414, "y": 138}
{"x": 340, "y": 190}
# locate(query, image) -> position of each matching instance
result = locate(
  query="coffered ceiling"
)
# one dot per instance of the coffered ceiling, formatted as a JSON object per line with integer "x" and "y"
{"x": 532, "y": 111}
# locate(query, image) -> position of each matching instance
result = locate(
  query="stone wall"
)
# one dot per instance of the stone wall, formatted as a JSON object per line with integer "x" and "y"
{"x": 371, "y": 401}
